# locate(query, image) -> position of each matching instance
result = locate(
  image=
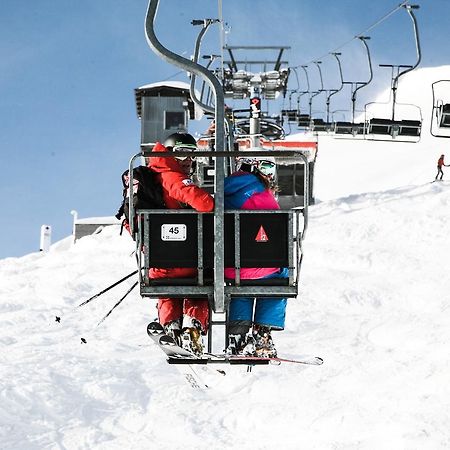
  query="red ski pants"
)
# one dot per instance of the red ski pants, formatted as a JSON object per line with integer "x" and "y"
{"x": 170, "y": 309}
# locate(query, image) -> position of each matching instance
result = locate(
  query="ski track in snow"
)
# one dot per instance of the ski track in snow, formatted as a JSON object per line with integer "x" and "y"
{"x": 374, "y": 304}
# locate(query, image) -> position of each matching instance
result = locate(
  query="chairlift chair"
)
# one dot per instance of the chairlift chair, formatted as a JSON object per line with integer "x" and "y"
{"x": 290, "y": 114}
{"x": 405, "y": 130}
{"x": 344, "y": 129}
{"x": 304, "y": 121}
{"x": 347, "y": 129}
{"x": 440, "y": 116}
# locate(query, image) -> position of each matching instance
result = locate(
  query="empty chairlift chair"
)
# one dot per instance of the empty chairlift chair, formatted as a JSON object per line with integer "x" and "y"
{"x": 349, "y": 129}
{"x": 445, "y": 116}
{"x": 440, "y": 117}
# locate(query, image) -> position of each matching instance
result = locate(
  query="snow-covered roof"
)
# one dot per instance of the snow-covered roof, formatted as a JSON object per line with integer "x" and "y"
{"x": 109, "y": 220}
{"x": 170, "y": 84}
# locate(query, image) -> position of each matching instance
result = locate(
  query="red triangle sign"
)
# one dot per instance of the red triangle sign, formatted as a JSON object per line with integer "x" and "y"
{"x": 262, "y": 235}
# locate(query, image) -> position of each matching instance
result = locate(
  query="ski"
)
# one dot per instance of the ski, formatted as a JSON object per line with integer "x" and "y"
{"x": 175, "y": 354}
{"x": 308, "y": 360}
{"x": 181, "y": 357}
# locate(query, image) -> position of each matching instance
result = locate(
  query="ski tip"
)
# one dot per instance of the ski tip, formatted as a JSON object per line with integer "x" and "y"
{"x": 154, "y": 328}
{"x": 167, "y": 340}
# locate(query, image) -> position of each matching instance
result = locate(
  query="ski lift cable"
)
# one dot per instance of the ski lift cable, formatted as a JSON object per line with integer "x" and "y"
{"x": 357, "y": 36}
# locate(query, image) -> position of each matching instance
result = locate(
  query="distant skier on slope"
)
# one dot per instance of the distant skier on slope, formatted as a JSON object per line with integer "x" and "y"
{"x": 250, "y": 188}
{"x": 440, "y": 163}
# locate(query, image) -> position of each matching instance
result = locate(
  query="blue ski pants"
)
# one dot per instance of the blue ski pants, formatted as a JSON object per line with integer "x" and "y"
{"x": 269, "y": 312}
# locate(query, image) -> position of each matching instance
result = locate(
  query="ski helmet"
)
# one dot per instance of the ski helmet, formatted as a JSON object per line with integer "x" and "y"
{"x": 180, "y": 140}
{"x": 264, "y": 164}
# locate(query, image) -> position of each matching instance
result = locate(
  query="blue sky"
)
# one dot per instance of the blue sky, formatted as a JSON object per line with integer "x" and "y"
{"x": 68, "y": 124}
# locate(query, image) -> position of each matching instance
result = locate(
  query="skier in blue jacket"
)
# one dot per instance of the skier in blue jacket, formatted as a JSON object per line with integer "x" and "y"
{"x": 250, "y": 188}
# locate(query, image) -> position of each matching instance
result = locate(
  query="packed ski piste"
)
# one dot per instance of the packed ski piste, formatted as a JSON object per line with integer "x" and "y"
{"x": 257, "y": 286}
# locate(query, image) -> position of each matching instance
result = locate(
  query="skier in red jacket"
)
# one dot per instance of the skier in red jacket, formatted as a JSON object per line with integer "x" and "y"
{"x": 440, "y": 163}
{"x": 185, "y": 319}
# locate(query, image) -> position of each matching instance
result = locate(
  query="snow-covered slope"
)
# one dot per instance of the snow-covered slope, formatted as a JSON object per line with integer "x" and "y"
{"x": 374, "y": 303}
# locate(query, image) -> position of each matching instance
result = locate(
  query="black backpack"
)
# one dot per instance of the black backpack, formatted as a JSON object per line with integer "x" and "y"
{"x": 148, "y": 193}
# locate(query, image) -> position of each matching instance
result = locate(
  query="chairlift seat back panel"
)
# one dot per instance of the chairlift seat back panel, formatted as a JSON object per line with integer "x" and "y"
{"x": 410, "y": 128}
{"x": 173, "y": 240}
{"x": 263, "y": 240}
{"x": 179, "y": 247}
{"x": 445, "y": 116}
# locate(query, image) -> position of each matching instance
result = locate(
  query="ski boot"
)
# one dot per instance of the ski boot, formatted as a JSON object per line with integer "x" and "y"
{"x": 264, "y": 346}
{"x": 241, "y": 344}
{"x": 191, "y": 338}
{"x": 235, "y": 342}
{"x": 173, "y": 329}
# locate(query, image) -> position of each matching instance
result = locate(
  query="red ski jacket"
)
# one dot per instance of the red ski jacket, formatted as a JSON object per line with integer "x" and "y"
{"x": 441, "y": 162}
{"x": 178, "y": 189}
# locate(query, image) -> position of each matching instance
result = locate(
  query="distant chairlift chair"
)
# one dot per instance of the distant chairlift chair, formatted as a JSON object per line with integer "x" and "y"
{"x": 440, "y": 117}
{"x": 400, "y": 130}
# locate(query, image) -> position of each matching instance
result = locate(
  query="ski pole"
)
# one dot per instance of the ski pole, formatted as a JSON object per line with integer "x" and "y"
{"x": 118, "y": 303}
{"x": 107, "y": 289}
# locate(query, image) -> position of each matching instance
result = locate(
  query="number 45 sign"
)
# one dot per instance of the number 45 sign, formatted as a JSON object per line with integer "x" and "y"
{"x": 173, "y": 232}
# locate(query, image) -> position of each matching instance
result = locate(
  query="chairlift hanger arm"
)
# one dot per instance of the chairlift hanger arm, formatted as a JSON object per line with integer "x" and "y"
{"x": 195, "y": 68}
{"x": 409, "y": 9}
{"x": 363, "y": 39}
{"x": 307, "y": 80}
{"x": 205, "y": 25}
{"x": 335, "y": 91}
{"x": 211, "y": 59}
{"x": 278, "y": 61}
{"x": 409, "y": 68}
{"x": 231, "y": 64}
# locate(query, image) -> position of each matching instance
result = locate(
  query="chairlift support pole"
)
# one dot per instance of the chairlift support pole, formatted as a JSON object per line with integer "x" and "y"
{"x": 296, "y": 91}
{"x": 409, "y": 10}
{"x": 316, "y": 93}
{"x": 334, "y": 91}
{"x": 197, "y": 69}
{"x": 363, "y": 39}
{"x": 206, "y": 23}
{"x": 357, "y": 85}
{"x": 211, "y": 59}
{"x": 309, "y": 88}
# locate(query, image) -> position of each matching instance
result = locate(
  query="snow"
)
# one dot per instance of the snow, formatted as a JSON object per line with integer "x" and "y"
{"x": 108, "y": 220}
{"x": 374, "y": 303}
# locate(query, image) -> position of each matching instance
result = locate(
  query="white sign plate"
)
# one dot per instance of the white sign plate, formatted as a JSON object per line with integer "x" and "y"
{"x": 173, "y": 232}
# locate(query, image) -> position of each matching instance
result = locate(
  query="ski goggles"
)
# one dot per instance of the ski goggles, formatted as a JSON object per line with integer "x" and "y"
{"x": 267, "y": 168}
{"x": 266, "y": 165}
{"x": 185, "y": 149}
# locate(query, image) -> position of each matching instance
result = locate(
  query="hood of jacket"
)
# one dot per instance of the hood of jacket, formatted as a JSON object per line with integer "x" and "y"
{"x": 163, "y": 164}
{"x": 239, "y": 187}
